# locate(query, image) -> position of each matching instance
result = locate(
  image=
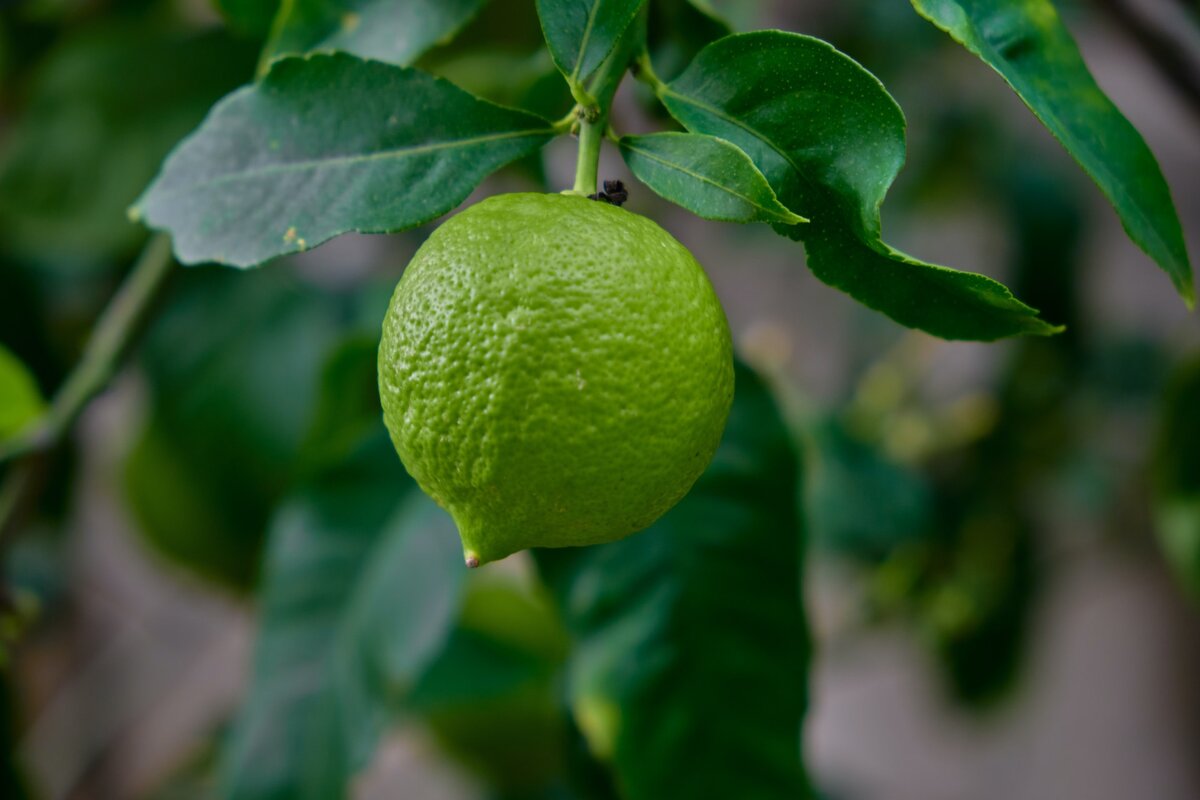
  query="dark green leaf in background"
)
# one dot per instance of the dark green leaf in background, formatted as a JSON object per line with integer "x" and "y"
{"x": 501, "y": 56}
{"x": 688, "y": 672}
{"x": 325, "y": 145}
{"x": 830, "y": 140}
{"x": 359, "y": 596}
{"x": 20, "y": 399}
{"x": 860, "y": 503}
{"x": 1176, "y": 472}
{"x": 232, "y": 365}
{"x": 105, "y": 107}
{"x": 1026, "y": 42}
{"x": 708, "y": 176}
{"x": 249, "y": 17}
{"x": 490, "y": 696}
{"x": 529, "y": 82}
{"x": 581, "y": 33}
{"x": 386, "y": 30}
{"x": 347, "y": 406}
{"x": 361, "y": 587}
{"x": 679, "y": 29}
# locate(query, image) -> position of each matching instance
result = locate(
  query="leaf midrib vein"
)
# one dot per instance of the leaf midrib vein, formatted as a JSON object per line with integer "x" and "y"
{"x": 723, "y": 115}
{"x": 583, "y": 42}
{"x": 348, "y": 160}
{"x": 704, "y": 179}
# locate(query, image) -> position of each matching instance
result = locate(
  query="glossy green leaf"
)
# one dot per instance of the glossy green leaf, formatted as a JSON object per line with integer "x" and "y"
{"x": 20, "y": 399}
{"x": 939, "y": 300}
{"x": 1176, "y": 472}
{"x": 830, "y": 140}
{"x": 1026, "y": 42}
{"x": 106, "y": 105}
{"x": 690, "y": 636}
{"x": 324, "y": 145}
{"x": 822, "y": 129}
{"x": 385, "y": 30}
{"x": 581, "y": 33}
{"x": 232, "y": 364}
{"x": 708, "y": 176}
{"x": 361, "y": 587}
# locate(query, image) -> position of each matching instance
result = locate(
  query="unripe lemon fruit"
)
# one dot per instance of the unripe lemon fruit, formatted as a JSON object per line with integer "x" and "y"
{"x": 554, "y": 371}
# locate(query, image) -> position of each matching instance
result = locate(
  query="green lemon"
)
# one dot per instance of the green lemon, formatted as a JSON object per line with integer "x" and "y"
{"x": 554, "y": 371}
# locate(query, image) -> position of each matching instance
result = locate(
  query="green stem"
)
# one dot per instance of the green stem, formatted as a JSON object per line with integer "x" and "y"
{"x": 593, "y": 118}
{"x": 591, "y": 135}
{"x": 110, "y": 339}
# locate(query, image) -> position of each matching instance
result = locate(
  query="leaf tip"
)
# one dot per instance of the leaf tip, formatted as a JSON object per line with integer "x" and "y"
{"x": 1046, "y": 329}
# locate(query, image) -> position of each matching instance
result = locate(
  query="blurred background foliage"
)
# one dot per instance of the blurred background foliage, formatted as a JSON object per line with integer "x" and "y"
{"x": 250, "y": 459}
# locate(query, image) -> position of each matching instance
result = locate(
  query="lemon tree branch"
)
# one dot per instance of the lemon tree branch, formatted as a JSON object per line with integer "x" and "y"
{"x": 114, "y": 331}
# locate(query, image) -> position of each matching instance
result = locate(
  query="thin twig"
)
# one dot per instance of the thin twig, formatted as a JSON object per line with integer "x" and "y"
{"x": 110, "y": 340}
{"x": 103, "y": 353}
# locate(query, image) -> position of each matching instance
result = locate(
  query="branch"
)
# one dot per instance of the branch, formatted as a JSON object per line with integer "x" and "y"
{"x": 103, "y": 353}
{"x": 110, "y": 340}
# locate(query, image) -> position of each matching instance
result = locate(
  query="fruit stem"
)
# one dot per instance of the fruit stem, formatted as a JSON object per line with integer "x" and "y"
{"x": 591, "y": 135}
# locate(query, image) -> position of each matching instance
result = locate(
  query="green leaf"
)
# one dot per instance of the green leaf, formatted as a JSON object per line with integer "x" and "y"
{"x": 384, "y": 30}
{"x": 690, "y": 636}
{"x": 1176, "y": 475}
{"x": 581, "y": 33}
{"x": 708, "y": 176}
{"x": 361, "y": 588}
{"x": 830, "y": 140}
{"x": 939, "y": 300}
{"x": 1028, "y": 45}
{"x": 324, "y": 145}
{"x": 106, "y": 105}
{"x": 20, "y": 399}
{"x": 232, "y": 365}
